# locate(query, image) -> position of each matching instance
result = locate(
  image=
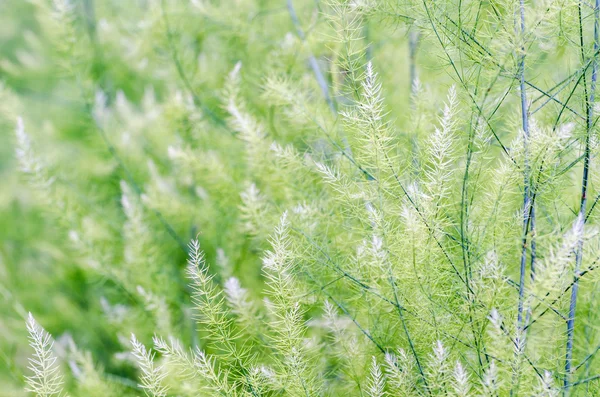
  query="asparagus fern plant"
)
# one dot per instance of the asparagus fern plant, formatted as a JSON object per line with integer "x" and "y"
{"x": 297, "y": 198}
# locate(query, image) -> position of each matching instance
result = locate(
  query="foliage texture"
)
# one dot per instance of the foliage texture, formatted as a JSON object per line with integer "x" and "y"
{"x": 299, "y": 198}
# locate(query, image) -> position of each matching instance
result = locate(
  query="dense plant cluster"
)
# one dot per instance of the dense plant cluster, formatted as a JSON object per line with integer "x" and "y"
{"x": 299, "y": 198}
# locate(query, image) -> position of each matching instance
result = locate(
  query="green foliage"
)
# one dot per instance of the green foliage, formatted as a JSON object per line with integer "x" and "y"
{"x": 299, "y": 198}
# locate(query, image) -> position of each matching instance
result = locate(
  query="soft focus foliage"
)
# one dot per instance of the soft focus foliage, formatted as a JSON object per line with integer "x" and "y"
{"x": 299, "y": 198}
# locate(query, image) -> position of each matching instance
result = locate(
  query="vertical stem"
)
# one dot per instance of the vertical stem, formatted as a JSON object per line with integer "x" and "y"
{"x": 90, "y": 17}
{"x": 533, "y": 256}
{"x": 413, "y": 43}
{"x": 583, "y": 202}
{"x": 526, "y": 194}
{"x": 314, "y": 65}
{"x": 533, "y": 244}
{"x": 407, "y": 333}
{"x": 527, "y": 204}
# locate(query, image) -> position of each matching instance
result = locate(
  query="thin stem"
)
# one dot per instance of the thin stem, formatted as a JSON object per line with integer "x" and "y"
{"x": 136, "y": 188}
{"x": 528, "y": 208}
{"x": 584, "y": 187}
{"x": 527, "y": 211}
{"x": 492, "y": 58}
{"x": 314, "y": 65}
{"x": 131, "y": 180}
{"x": 182, "y": 75}
{"x": 549, "y": 307}
{"x": 587, "y": 358}
{"x": 413, "y": 44}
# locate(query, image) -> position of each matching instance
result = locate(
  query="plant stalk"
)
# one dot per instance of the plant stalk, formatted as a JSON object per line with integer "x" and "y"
{"x": 527, "y": 211}
{"x": 583, "y": 203}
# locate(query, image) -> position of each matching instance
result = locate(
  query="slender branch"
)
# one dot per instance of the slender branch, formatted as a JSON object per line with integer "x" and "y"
{"x": 584, "y": 381}
{"x": 432, "y": 21}
{"x": 489, "y": 56}
{"x": 406, "y": 332}
{"x": 527, "y": 204}
{"x": 138, "y": 190}
{"x": 557, "y": 298}
{"x": 413, "y": 44}
{"x": 179, "y": 67}
{"x": 587, "y": 358}
{"x": 351, "y": 317}
{"x": 131, "y": 180}
{"x": 374, "y": 292}
{"x": 314, "y": 65}
{"x": 528, "y": 209}
{"x": 584, "y": 188}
